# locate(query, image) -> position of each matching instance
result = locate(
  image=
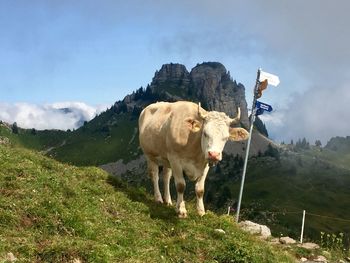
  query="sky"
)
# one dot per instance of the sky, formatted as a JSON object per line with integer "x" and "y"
{"x": 89, "y": 54}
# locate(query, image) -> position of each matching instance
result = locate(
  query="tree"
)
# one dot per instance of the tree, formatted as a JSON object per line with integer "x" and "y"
{"x": 272, "y": 151}
{"x": 15, "y": 128}
{"x": 302, "y": 144}
{"x": 318, "y": 143}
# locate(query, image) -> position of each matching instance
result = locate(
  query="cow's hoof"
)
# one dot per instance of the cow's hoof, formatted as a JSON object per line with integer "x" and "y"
{"x": 182, "y": 214}
{"x": 158, "y": 200}
{"x": 168, "y": 203}
{"x": 201, "y": 212}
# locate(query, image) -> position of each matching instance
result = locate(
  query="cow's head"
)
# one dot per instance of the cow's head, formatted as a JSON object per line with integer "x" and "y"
{"x": 216, "y": 131}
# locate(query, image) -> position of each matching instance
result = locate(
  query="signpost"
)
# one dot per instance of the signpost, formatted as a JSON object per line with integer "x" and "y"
{"x": 263, "y": 106}
{"x": 262, "y": 80}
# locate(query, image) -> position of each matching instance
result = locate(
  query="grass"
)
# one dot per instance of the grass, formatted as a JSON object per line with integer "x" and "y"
{"x": 53, "y": 212}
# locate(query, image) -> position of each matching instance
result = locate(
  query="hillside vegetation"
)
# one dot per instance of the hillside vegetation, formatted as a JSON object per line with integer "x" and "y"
{"x": 53, "y": 212}
{"x": 280, "y": 184}
{"x": 106, "y": 138}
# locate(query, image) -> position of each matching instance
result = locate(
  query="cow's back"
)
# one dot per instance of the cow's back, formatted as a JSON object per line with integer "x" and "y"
{"x": 163, "y": 130}
{"x": 152, "y": 128}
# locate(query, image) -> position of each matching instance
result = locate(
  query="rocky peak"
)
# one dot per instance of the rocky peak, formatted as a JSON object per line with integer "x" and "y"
{"x": 171, "y": 72}
{"x": 209, "y": 82}
{"x": 214, "y": 86}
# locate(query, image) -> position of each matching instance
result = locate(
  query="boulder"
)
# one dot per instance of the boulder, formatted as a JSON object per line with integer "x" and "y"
{"x": 287, "y": 240}
{"x": 309, "y": 246}
{"x": 320, "y": 259}
{"x": 255, "y": 229}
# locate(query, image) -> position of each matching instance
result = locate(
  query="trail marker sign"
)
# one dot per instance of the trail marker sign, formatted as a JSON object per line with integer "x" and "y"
{"x": 263, "y": 106}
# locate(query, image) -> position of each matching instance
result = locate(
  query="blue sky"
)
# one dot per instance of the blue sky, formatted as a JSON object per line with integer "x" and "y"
{"x": 96, "y": 52}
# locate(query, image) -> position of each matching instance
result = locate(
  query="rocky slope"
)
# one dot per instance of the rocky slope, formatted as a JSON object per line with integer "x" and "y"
{"x": 209, "y": 83}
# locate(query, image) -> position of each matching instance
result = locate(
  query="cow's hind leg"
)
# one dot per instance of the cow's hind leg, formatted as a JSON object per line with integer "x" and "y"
{"x": 166, "y": 180}
{"x": 153, "y": 172}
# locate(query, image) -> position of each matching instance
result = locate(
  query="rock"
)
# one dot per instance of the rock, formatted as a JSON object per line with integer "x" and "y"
{"x": 136, "y": 167}
{"x": 215, "y": 87}
{"x": 310, "y": 246}
{"x": 274, "y": 241}
{"x": 11, "y": 257}
{"x": 220, "y": 231}
{"x": 255, "y": 228}
{"x": 303, "y": 259}
{"x": 172, "y": 72}
{"x": 320, "y": 259}
{"x": 287, "y": 240}
{"x": 4, "y": 140}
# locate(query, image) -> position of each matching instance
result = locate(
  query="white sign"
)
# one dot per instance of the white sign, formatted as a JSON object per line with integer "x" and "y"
{"x": 271, "y": 79}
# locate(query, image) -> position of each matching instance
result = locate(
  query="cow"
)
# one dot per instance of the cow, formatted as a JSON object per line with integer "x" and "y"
{"x": 182, "y": 137}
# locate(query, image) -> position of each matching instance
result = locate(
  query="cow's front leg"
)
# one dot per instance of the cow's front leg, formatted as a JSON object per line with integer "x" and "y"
{"x": 200, "y": 191}
{"x": 180, "y": 203}
{"x": 180, "y": 189}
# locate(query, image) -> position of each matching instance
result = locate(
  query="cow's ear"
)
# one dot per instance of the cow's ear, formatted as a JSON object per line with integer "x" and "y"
{"x": 193, "y": 125}
{"x": 238, "y": 134}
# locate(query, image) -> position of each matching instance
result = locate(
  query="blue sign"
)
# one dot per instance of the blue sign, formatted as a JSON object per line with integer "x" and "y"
{"x": 259, "y": 112}
{"x": 263, "y": 106}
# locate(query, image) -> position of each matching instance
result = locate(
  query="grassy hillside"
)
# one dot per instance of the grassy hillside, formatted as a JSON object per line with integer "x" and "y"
{"x": 53, "y": 212}
{"x": 33, "y": 139}
{"x": 106, "y": 138}
{"x": 279, "y": 188}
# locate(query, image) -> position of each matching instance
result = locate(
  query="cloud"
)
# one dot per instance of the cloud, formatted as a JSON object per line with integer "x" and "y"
{"x": 306, "y": 43}
{"x": 60, "y": 115}
{"x": 317, "y": 114}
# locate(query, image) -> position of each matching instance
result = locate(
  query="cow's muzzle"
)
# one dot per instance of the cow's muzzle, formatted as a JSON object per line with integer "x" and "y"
{"x": 213, "y": 158}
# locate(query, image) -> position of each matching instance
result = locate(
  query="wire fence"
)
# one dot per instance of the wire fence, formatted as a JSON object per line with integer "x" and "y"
{"x": 345, "y": 237}
{"x": 299, "y": 212}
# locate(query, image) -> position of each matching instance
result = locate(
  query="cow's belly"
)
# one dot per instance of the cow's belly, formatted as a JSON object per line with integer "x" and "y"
{"x": 159, "y": 160}
{"x": 191, "y": 170}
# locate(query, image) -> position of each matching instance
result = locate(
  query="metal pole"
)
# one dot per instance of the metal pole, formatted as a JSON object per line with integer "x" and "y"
{"x": 302, "y": 228}
{"x": 252, "y": 119}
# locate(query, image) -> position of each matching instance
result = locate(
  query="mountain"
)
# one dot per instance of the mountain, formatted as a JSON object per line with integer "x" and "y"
{"x": 209, "y": 83}
{"x": 112, "y": 135}
{"x": 54, "y": 212}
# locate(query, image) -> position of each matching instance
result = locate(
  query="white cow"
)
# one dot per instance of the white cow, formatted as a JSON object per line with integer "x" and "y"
{"x": 183, "y": 137}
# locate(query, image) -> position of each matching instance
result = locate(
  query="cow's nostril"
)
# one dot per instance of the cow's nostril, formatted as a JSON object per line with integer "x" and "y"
{"x": 213, "y": 155}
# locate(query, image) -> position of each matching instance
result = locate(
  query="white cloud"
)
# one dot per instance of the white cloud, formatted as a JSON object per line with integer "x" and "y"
{"x": 60, "y": 115}
{"x": 318, "y": 114}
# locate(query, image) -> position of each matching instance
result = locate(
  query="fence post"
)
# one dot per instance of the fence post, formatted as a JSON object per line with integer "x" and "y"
{"x": 302, "y": 228}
